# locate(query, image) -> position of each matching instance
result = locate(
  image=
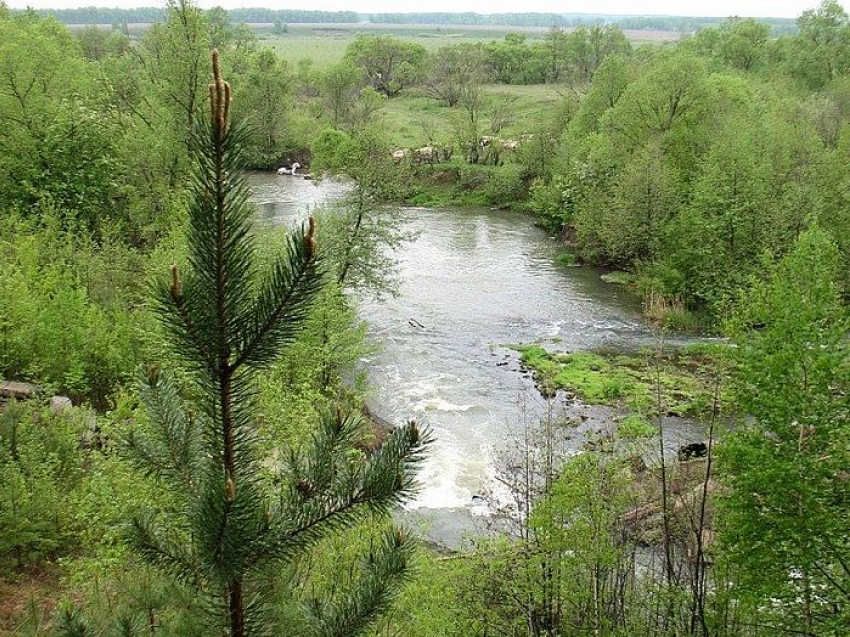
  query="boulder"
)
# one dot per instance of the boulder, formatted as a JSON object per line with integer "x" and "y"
{"x": 58, "y": 404}
{"x": 692, "y": 450}
{"x": 14, "y": 389}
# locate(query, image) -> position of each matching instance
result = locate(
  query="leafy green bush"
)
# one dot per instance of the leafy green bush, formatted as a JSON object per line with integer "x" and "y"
{"x": 52, "y": 328}
{"x": 552, "y": 202}
{"x": 634, "y": 427}
{"x": 506, "y": 186}
{"x": 40, "y": 465}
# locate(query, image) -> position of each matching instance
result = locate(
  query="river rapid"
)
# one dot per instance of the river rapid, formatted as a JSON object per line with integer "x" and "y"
{"x": 472, "y": 283}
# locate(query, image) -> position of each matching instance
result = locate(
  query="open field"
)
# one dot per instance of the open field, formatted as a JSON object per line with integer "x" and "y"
{"x": 326, "y": 43}
{"x": 412, "y": 120}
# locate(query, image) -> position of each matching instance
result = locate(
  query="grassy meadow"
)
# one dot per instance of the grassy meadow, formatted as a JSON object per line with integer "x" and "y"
{"x": 326, "y": 43}
{"x": 411, "y": 120}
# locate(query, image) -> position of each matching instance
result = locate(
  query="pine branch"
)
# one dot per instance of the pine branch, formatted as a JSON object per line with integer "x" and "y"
{"x": 218, "y": 296}
{"x": 229, "y": 526}
{"x": 283, "y": 304}
{"x": 173, "y": 311}
{"x": 382, "y": 572}
{"x": 171, "y": 450}
{"x": 73, "y": 624}
{"x": 356, "y": 492}
{"x": 329, "y": 443}
{"x": 151, "y": 544}
{"x": 127, "y": 626}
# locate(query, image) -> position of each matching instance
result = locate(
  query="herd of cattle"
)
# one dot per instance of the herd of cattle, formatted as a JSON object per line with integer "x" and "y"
{"x": 486, "y": 150}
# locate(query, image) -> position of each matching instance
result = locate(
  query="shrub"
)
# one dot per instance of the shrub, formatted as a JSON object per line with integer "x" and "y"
{"x": 40, "y": 464}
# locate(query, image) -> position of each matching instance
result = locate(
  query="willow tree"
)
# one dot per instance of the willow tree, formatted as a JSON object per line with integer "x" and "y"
{"x": 229, "y": 532}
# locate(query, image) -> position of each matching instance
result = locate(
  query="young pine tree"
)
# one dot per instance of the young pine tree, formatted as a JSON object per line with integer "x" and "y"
{"x": 226, "y": 535}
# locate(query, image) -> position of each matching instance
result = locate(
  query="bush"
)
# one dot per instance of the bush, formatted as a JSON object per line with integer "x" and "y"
{"x": 40, "y": 464}
{"x": 506, "y": 187}
{"x": 64, "y": 319}
{"x": 553, "y": 202}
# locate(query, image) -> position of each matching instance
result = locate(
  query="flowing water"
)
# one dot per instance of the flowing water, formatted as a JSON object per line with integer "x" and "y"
{"x": 472, "y": 283}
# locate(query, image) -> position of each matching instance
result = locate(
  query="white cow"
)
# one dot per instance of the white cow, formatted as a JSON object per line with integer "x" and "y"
{"x": 426, "y": 154}
{"x": 400, "y": 155}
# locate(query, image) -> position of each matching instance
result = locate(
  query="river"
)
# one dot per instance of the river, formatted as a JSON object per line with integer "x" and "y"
{"x": 472, "y": 283}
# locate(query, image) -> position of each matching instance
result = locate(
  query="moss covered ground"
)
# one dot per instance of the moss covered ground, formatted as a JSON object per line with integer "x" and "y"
{"x": 683, "y": 380}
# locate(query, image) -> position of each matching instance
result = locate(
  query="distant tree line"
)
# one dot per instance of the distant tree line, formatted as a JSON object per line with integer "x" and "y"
{"x": 688, "y": 24}
{"x": 680, "y": 24}
{"x": 97, "y": 15}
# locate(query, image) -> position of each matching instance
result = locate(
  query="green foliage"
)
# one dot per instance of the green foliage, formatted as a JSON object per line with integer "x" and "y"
{"x": 339, "y": 90}
{"x": 333, "y": 151}
{"x": 40, "y": 466}
{"x": 742, "y": 42}
{"x": 571, "y": 58}
{"x": 430, "y": 604}
{"x": 63, "y": 320}
{"x": 610, "y": 81}
{"x": 267, "y": 100}
{"x": 644, "y": 199}
{"x": 57, "y": 148}
{"x": 553, "y": 202}
{"x": 222, "y": 530}
{"x": 361, "y": 232}
{"x": 305, "y": 379}
{"x": 453, "y": 71}
{"x": 506, "y": 187}
{"x": 784, "y": 515}
{"x": 819, "y": 54}
{"x": 635, "y": 428}
{"x": 563, "y": 574}
{"x": 387, "y": 65}
{"x": 670, "y": 98}
{"x": 575, "y": 522}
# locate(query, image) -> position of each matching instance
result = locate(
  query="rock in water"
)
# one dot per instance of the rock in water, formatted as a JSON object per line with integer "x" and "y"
{"x": 692, "y": 450}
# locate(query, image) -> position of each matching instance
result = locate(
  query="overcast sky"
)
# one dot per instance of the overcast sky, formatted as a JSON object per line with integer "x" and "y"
{"x": 763, "y": 8}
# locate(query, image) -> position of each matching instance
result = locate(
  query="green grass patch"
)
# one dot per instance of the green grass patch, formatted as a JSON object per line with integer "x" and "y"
{"x": 684, "y": 377}
{"x": 456, "y": 183}
{"x": 568, "y": 258}
{"x": 618, "y": 278}
{"x": 635, "y": 427}
{"x": 413, "y": 120}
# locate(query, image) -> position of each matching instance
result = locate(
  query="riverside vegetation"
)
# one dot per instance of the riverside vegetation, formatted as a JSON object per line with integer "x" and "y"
{"x": 185, "y": 493}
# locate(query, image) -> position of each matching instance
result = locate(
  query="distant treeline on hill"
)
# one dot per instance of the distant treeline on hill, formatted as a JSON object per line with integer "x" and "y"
{"x": 681, "y": 24}
{"x": 97, "y": 15}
